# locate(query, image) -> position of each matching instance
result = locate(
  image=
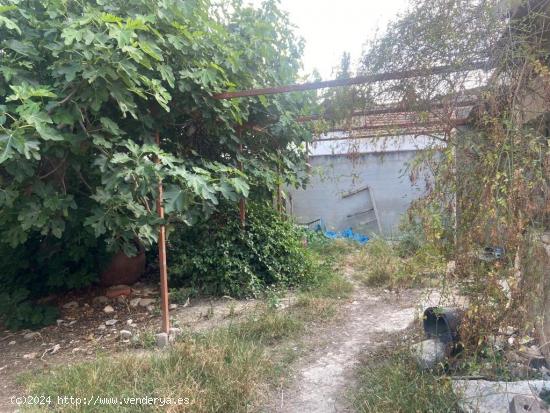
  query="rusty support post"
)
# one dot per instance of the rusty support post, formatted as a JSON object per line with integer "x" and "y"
{"x": 242, "y": 202}
{"x": 164, "y": 306}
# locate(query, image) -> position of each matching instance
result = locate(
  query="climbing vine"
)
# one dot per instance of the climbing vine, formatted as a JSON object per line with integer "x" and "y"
{"x": 487, "y": 182}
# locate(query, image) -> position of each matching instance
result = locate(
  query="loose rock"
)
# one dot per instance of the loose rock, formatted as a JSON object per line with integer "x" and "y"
{"x": 11, "y": 343}
{"x": 111, "y": 322}
{"x": 52, "y": 350}
{"x": 145, "y": 302}
{"x": 108, "y": 309}
{"x": 125, "y": 334}
{"x": 162, "y": 340}
{"x": 148, "y": 291}
{"x": 101, "y": 299}
{"x": 429, "y": 353}
{"x": 173, "y": 306}
{"x": 70, "y": 305}
{"x": 134, "y": 302}
{"x": 118, "y": 291}
{"x": 30, "y": 356}
{"x": 30, "y": 336}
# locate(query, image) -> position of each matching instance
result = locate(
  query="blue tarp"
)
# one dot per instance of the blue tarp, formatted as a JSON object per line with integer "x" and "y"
{"x": 347, "y": 233}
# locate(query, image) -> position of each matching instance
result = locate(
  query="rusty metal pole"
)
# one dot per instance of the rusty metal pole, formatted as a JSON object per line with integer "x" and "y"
{"x": 164, "y": 306}
{"x": 242, "y": 202}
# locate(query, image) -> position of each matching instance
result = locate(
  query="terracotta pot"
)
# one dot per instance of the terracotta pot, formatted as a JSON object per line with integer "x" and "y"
{"x": 123, "y": 269}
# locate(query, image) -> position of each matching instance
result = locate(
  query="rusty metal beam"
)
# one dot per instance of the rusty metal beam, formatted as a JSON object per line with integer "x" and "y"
{"x": 381, "y": 135}
{"x": 391, "y": 110}
{"x": 404, "y": 125}
{"x": 409, "y": 128}
{"x": 379, "y": 77}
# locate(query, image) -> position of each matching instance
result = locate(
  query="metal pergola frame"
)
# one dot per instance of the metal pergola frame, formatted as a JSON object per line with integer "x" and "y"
{"x": 366, "y": 79}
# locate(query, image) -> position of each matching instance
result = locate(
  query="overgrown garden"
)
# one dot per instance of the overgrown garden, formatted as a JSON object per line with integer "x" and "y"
{"x": 85, "y": 87}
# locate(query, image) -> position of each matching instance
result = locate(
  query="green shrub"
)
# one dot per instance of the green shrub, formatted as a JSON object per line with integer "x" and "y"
{"x": 19, "y": 312}
{"x": 41, "y": 266}
{"x": 411, "y": 237}
{"x": 219, "y": 257}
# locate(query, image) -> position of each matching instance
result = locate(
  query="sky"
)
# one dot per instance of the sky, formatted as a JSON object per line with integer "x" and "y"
{"x": 332, "y": 27}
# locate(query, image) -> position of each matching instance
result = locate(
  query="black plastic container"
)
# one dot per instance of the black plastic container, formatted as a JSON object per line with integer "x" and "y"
{"x": 442, "y": 323}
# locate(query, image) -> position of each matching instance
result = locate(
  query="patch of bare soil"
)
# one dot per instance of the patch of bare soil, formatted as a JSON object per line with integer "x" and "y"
{"x": 83, "y": 331}
{"x": 322, "y": 377}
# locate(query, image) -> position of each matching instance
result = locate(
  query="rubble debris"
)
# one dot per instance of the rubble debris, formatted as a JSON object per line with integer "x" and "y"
{"x": 525, "y": 404}
{"x": 483, "y": 396}
{"x": 51, "y": 350}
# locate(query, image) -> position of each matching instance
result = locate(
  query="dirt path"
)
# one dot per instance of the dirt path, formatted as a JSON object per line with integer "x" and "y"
{"x": 323, "y": 377}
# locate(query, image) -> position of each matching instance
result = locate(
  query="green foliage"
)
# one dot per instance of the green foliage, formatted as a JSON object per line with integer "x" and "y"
{"x": 41, "y": 267}
{"x": 221, "y": 258}
{"x": 181, "y": 295}
{"x": 411, "y": 237}
{"x": 18, "y": 312}
{"x": 84, "y": 89}
{"x": 486, "y": 184}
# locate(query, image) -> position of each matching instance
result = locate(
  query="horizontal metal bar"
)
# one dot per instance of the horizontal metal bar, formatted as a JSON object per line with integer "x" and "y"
{"x": 391, "y": 110}
{"x": 368, "y": 132}
{"x": 379, "y": 77}
{"x": 402, "y": 125}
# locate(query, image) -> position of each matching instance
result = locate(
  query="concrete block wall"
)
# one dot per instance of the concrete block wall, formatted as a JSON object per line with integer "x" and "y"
{"x": 335, "y": 175}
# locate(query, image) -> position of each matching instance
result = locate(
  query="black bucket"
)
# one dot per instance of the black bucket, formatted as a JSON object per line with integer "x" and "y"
{"x": 442, "y": 323}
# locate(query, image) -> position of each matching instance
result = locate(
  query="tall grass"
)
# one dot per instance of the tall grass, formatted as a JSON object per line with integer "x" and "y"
{"x": 381, "y": 264}
{"x": 223, "y": 370}
{"x": 219, "y": 371}
{"x": 394, "y": 383}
